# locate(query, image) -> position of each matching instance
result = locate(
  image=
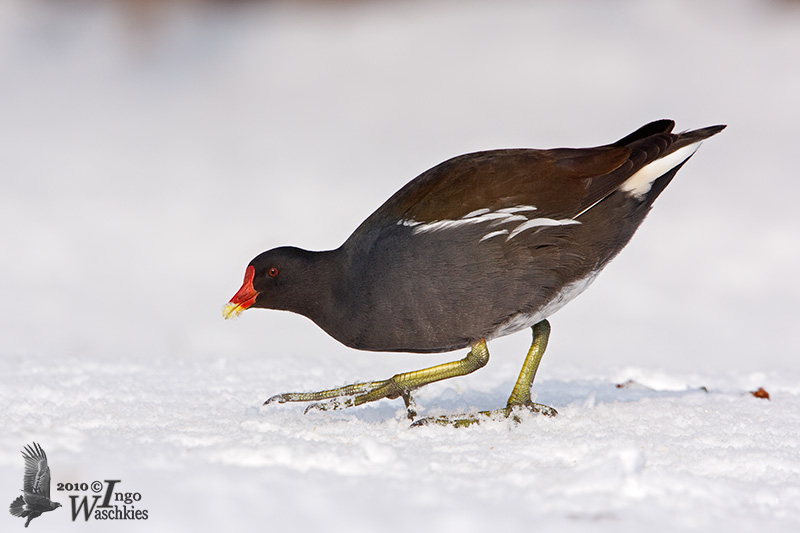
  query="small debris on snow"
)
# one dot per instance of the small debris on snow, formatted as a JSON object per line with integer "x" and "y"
{"x": 631, "y": 384}
{"x": 760, "y": 393}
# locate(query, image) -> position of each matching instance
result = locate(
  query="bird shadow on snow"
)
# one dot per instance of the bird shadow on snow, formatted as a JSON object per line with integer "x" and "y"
{"x": 448, "y": 400}
{"x": 555, "y": 393}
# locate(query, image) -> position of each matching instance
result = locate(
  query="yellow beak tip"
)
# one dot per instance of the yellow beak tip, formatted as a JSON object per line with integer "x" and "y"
{"x": 232, "y": 310}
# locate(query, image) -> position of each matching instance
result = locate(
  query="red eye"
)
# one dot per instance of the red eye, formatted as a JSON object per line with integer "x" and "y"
{"x": 273, "y": 272}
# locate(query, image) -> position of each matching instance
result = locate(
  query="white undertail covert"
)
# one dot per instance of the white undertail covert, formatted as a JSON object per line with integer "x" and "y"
{"x": 640, "y": 183}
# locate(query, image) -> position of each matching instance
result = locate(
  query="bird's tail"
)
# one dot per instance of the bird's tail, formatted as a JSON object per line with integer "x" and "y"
{"x": 661, "y": 154}
{"x": 17, "y": 507}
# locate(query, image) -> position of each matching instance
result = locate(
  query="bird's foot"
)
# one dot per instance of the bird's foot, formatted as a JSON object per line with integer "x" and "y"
{"x": 513, "y": 412}
{"x": 351, "y": 396}
{"x": 397, "y": 386}
{"x": 352, "y": 401}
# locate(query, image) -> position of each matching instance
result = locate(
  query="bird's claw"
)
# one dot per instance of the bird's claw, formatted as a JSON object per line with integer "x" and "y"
{"x": 344, "y": 403}
{"x": 512, "y": 412}
{"x": 330, "y": 405}
{"x": 350, "y": 396}
{"x": 542, "y": 409}
{"x": 279, "y": 398}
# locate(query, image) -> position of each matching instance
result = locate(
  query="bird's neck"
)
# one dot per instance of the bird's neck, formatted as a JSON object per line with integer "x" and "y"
{"x": 316, "y": 298}
{"x": 330, "y": 299}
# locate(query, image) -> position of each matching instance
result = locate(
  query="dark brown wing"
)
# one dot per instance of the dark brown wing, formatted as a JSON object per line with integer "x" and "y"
{"x": 36, "y": 479}
{"x": 560, "y": 183}
{"x": 653, "y": 128}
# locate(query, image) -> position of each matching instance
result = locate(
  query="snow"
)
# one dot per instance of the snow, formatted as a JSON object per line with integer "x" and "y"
{"x": 147, "y": 156}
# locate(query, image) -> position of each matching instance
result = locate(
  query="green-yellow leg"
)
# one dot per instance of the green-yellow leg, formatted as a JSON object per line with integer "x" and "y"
{"x": 399, "y": 385}
{"x": 520, "y": 396}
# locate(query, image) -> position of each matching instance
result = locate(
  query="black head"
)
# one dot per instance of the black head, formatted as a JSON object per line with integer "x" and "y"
{"x": 281, "y": 278}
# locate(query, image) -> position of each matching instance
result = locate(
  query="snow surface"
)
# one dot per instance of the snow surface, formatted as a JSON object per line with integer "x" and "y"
{"x": 147, "y": 155}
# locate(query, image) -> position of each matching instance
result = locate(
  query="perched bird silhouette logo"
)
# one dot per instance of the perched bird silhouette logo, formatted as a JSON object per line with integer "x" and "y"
{"x": 35, "y": 498}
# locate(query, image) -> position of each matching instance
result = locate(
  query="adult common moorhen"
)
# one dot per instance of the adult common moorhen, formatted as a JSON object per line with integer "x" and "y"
{"x": 480, "y": 246}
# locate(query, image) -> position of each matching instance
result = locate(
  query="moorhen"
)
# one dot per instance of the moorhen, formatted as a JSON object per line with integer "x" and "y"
{"x": 480, "y": 246}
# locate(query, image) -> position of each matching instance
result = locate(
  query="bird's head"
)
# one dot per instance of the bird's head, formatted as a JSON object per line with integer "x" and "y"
{"x": 55, "y": 505}
{"x": 275, "y": 279}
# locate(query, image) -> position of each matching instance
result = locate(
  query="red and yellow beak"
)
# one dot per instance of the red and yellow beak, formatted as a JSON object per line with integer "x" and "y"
{"x": 244, "y": 298}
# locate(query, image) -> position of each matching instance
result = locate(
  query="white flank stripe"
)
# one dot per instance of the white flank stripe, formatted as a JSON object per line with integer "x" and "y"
{"x": 517, "y": 209}
{"x": 640, "y": 183}
{"x": 494, "y": 234}
{"x": 493, "y": 219}
{"x": 419, "y": 227}
{"x": 408, "y": 222}
{"x": 477, "y": 212}
{"x": 501, "y": 216}
{"x": 505, "y": 219}
{"x": 537, "y": 222}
